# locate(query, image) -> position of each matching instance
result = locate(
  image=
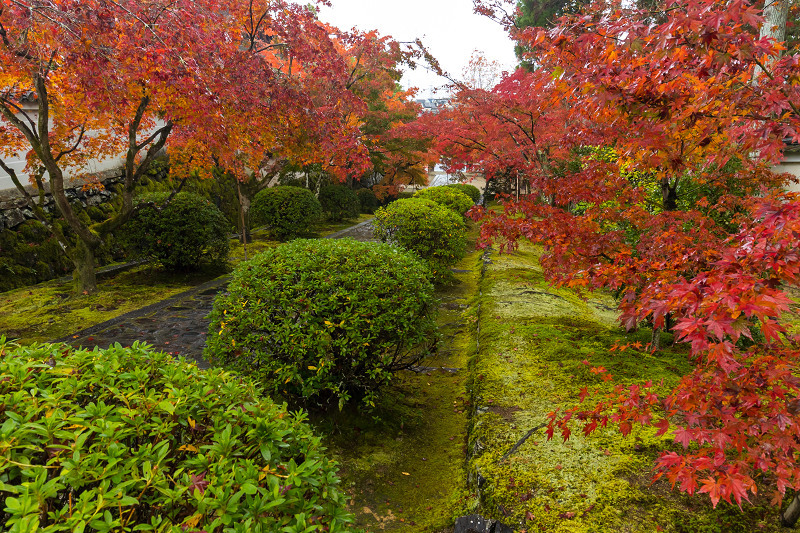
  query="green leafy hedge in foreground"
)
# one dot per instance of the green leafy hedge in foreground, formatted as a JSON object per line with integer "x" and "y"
{"x": 325, "y": 319}
{"x": 126, "y": 439}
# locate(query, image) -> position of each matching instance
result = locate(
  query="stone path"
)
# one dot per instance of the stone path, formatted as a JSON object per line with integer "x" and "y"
{"x": 177, "y": 325}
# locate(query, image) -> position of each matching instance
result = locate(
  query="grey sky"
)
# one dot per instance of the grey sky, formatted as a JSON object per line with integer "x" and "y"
{"x": 449, "y": 29}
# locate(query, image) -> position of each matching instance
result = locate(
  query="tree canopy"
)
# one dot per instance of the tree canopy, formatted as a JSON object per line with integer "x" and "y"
{"x": 646, "y": 137}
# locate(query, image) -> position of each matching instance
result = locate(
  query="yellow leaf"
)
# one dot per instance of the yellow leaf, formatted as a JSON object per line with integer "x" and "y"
{"x": 187, "y": 448}
{"x": 192, "y": 423}
{"x": 312, "y": 368}
{"x": 405, "y": 473}
{"x": 192, "y": 521}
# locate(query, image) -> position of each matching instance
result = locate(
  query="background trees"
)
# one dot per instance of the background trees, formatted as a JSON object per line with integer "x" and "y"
{"x": 242, "y": 89}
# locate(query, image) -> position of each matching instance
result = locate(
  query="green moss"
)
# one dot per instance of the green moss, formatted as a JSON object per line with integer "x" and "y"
{"x": 50, "y": 310}
{"x": 406, "y": 471}
{"x": 533, "y": 342}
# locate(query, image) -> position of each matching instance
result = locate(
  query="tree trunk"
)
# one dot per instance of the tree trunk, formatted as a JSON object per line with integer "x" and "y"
{"x": 776, "y": 13}
{"x": 84, "y": 276}
{"x": 655, "y": 341}
{"x": 669, "y": 195}
{"x": 242, "y": 217}
{"x": 791, "y": 514}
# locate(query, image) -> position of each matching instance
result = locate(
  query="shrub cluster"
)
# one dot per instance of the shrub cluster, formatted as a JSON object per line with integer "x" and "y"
{"x": 339, "y": 202}
{"x": 126, "y": 439}
{"x": 470, "y": 190}
{"x": 181, "y": 234}
{"x": 448, "y": 197}
{"x": 324, "y": 319}
{"x": 434, "y": 232}
{"x": 368, "y": 201}
{"x": 288, "y": 211}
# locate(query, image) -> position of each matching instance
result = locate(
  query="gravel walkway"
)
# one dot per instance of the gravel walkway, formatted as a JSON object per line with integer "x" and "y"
{"x": 177, "y": 325}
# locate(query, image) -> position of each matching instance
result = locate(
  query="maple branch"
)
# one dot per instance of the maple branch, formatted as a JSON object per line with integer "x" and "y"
{"x": 270, "y": 47}
{"x": 150, "y": 28}
{"x": 38, "y": 10}
{"x": 75, "y": 146}
{"x": 152, "y": 137}
{"x": 254, "y": 32}
{"x": 6, "y": 101}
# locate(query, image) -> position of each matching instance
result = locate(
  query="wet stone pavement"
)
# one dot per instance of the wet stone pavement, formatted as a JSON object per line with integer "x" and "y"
{"x": 177, "y": 325}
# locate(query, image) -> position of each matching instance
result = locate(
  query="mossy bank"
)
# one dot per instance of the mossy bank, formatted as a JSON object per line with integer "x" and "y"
{"x": 533, "y": 340}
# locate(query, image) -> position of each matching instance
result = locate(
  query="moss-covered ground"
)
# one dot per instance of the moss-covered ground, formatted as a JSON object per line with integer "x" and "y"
{"x": 52, "y": 310}
{"x": 533, "y": 340}
{"x": 403, "y": 466}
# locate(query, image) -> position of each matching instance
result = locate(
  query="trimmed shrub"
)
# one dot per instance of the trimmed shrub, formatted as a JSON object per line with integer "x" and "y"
{"x": 288, "y": 211}
{"x": 181, "y": 235}
{"x": 339, "y": 202}
{"x": 470, "y": 190}
{"x": 367, "y": 200}
{"x": 448, "y": 197}
{"x": 128, "y": 439}
{"x": 324, "y": 319}
{"x": 430, "y": 230}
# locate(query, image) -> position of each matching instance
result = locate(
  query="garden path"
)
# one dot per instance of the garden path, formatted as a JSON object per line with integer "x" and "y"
{"x": 176, "y": 325}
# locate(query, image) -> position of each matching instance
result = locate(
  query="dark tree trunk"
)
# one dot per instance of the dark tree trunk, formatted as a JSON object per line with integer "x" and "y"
{"x": 669, "y": 195}
{"x": 85, "y": 275}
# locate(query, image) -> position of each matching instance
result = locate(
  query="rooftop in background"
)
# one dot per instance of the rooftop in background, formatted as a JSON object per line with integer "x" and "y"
{"x": 433, "y": 105}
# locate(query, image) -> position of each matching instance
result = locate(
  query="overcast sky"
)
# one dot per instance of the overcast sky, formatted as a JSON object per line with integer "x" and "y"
{"x": 449, "y": 29}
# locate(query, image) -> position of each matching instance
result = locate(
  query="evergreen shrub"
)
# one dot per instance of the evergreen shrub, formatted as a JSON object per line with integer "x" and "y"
{"x": 470, "y": 190}
{"x": 367, "y": 200}
{"x": 181, "y": 234}
{"x": 288, "y": 211}
{"x": 324, "y": 319}
{"x": 127, "y": 439}
{"x": 448, "y": 197}
{"x": 434, "y": 232}
{"x": 339, "y": 202}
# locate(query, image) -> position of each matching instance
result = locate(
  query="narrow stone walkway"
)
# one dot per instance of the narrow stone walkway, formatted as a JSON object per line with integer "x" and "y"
{"x": 177, "y": 325}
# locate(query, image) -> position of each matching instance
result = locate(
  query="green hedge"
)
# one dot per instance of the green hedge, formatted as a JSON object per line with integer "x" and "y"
{"x": 368, "y": 201}
{"x": 339, "y": 202}
{"x": 288, "y": 211}
{"x": 127, "y": 439}
{"x": 430, "y": 230}
{"x": 470, "y": 190}
{"x": 324, "y": 319}
{"x": 181, "y": 234}
{"x": 448, "y": 197}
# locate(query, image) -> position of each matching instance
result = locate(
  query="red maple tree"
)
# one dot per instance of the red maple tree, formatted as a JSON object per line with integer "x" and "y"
{"x": 647, "y": 138}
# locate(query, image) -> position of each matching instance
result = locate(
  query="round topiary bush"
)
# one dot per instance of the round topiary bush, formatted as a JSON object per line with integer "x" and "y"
{"x": 367, "y": 200}
{"x": 448, "y": 197}
{"x": 339, "y": 202}
{"x": 288, "y": 211}
{"x": 434, "y": 232}
{"x": 126, "y": 439}
{"x": 324, "y": 319}
{"x": 181, "y": 234}
{"x": 470, "y": 190}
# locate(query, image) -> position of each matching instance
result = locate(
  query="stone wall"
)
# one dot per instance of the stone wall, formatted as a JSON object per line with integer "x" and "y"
{"x": 14, "y": 209}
